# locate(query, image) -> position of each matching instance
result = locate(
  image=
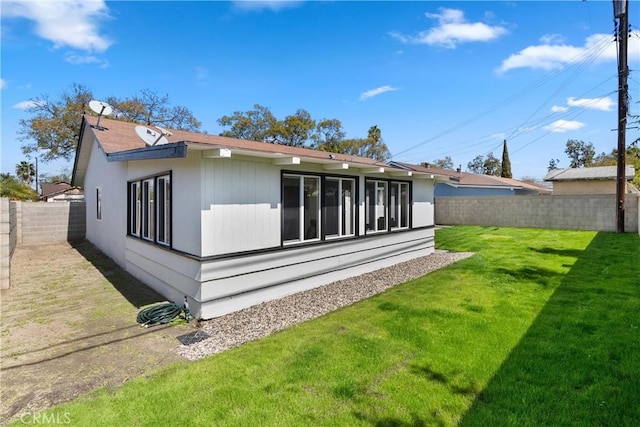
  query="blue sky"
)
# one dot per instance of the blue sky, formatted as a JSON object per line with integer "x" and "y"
{"x": 438, "y": 78}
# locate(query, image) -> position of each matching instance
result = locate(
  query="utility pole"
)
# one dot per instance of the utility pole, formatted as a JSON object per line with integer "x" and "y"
{"x": 621, "y": 13}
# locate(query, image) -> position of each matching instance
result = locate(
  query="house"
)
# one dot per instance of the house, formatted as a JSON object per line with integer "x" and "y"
{"x": 231, "y": 223}
{"x": 596, "y": 180}
{"x": 471, "y": 184}
{"x": 60, "y": 192}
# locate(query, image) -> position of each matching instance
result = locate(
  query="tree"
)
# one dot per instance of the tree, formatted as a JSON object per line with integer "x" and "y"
{"x": 580, "y": 154}
{"x": 63, "y": 176}
{"x": 632, "y": 157}
{"x": 328, "y": 135}
{"x": 25, "y": 172}
{"x": 153, "y": 109}
{"x": 295, "y": 130}
{"x": 505, "y": 169}
{"x": 444, "y": 163}
{"x": 486, "y": 166}
{"x": 301, "y": 130}
{"x": 54, "y": 128}
{"x": 258, "y": 124}
{"x": 15, "y": 190}
{"x": 553, "y": 164}
{"x": 373, "y": 146}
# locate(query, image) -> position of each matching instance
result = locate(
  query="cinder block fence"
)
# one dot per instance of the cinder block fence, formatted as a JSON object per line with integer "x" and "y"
{"x": 576, "y": 212}
{"x": 32, "y": 223}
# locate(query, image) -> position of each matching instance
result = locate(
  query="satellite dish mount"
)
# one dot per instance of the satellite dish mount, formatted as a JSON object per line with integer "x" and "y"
{"x": 101, "y": 109}
{"x": 152, "y": 137}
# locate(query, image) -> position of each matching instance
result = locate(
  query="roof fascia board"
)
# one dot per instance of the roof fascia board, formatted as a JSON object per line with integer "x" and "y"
{"x": 83, "y": 125}
{"x": 217, "y": 153}
{"x": 165, "y": 151}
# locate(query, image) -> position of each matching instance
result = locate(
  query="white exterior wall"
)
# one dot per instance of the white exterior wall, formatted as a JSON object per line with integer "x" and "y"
{"x": 185, "y": 184}
{"x": 423, "y": 197}
{"x": 107, "y": 234}
{"x": 231, "y": 284}
{"x": 240, "y": 206}
{"x": 233, "y": 206}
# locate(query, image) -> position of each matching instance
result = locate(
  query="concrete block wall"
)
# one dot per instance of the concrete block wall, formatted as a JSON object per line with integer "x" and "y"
{"x": 7, "y": 240}
{"x": 575, "y": 212}
{"x": 52, "y": 222}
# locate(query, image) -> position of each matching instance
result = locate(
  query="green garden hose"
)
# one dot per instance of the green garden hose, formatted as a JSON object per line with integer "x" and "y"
{"x": 158, "y": 314}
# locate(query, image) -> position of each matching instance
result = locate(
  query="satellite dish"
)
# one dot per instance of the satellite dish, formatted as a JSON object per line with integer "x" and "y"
{"x": 101, "y": 109}
{"x": 150, "y": 136}
{"x": 163, "y": 131}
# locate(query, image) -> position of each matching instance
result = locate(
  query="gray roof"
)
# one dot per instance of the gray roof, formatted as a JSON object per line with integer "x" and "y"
{"x": 600, "y": 172}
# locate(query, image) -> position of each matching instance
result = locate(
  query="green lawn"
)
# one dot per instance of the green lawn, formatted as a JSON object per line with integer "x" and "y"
{"x": 540, "y": 327}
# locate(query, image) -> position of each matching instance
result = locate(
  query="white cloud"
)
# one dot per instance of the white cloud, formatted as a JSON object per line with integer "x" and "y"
{"x": 259, "y": 5}
{"x": 3, "y": 83}
{"x": 25, "y": 105}
{"x": 559, "y": 109}
{"x": 452, "y": 29}
{"x": 602, "y": 104}
{"x": 553, "y": 53}
{"x": 560, "y": 126}
{"x": 552, "y": 39}
{"x": 72, "y": 23}
{"x": 377, "y": 91}
{"x": 74, "y": 59}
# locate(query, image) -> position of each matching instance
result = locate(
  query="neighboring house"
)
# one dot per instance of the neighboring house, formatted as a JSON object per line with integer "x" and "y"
{"x": 470, "y": 184}
{"x": 231, "y": 223}
{"x": 596, "y": 180}
{"x": 61, "y": 192}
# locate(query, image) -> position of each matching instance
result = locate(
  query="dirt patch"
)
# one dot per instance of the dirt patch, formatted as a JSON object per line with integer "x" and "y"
{"x": 68, "y": 326}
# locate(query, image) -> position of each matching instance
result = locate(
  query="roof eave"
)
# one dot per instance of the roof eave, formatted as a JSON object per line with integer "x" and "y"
{"x": 165, "y": 151}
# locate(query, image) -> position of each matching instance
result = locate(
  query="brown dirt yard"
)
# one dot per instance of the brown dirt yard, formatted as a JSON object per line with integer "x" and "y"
{"x": 68, "y": 326}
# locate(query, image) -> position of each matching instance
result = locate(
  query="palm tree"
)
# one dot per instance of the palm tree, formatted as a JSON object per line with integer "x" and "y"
{"x": 25, "y": 172}
{"x": 375, "y": 134}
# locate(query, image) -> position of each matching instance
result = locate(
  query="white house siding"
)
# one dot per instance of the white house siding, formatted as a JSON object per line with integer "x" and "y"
{"x": 108, "y": 233}
{"x": 230, "y": 284}
{"x": 240, "y": 206}
{"x": 185, "y": 183}
{"x": 169, "y": 273}
{"x": 423, "y": 211}
{"x": 233, "y": 207}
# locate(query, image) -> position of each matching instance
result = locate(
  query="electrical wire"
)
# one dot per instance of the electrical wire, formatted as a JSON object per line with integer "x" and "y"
{"x": 583, "y": 60}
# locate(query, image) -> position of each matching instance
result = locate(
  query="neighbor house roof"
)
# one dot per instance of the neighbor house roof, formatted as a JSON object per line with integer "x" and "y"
{"x": 119, "y": 141}
{"x": 57, "y": 188}
{"x": 600, "y": 173}
{"x": 459, "y": 179}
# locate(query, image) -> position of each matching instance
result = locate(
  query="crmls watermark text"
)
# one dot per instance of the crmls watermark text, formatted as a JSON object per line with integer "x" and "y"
{"x": 45, "y": 419}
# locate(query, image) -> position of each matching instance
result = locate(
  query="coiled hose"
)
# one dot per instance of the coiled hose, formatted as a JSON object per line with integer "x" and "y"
{"x": 158, "y": 314}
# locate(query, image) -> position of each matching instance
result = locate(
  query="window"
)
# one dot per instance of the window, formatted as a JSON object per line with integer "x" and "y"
{"x": 301, "y": 208}
{"x": 99, "y": 203}
{"x": 150, "y": 209}
{"x": 134, "y": 208}
{"x": 399, "y": 205}
{"x": 387, "y": 205}
{"x": 163, "y": 212}
{"x": 339, "y": 207}
{"x": 376, "y": 205}
{"x": 148, "y": 197}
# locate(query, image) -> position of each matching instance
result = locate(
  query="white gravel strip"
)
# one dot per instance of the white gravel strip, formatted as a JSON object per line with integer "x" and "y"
{"x": 261, "y": 320}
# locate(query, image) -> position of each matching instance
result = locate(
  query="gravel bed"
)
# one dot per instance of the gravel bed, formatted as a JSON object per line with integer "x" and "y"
{"x": 264, "y": 319}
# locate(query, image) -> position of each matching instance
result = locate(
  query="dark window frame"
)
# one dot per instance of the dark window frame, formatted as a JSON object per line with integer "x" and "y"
{"x": 143, "y": 209}
{"x": 388, "y": 223}
{"x": 321, "y": 223}
{"x": 99, "y": 203}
